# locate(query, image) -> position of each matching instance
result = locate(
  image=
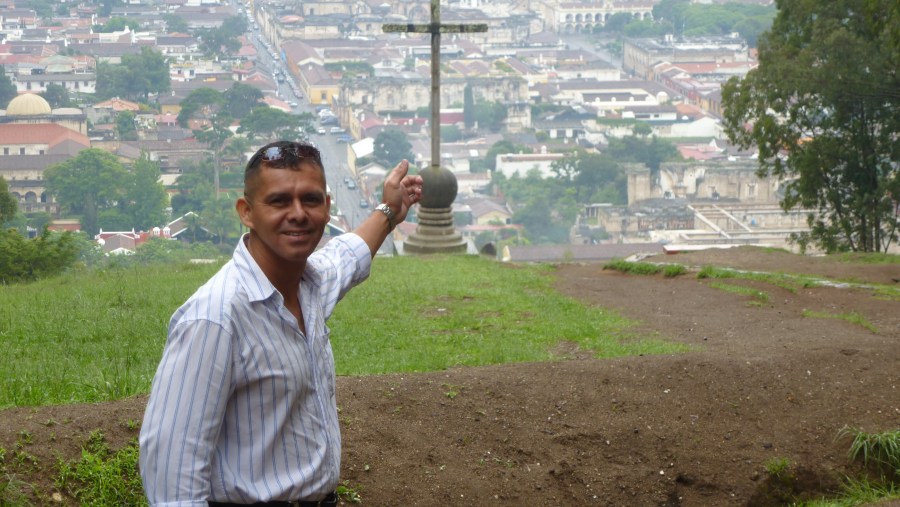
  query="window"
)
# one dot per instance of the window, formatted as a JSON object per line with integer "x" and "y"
{"x": 21, "y": 151}
{"x": 6, "y": 151}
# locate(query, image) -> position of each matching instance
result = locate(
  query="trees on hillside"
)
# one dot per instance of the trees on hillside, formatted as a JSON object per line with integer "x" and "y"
{"x": 96, "y": 186}
{"x": 823, "y": 108}
{"x": 85, "y": 184}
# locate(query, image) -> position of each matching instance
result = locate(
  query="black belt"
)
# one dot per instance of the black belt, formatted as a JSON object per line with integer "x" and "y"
{"x": 329, "y": 501}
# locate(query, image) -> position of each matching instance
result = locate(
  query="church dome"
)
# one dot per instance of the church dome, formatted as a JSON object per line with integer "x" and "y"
{"x": 28, "y": 104}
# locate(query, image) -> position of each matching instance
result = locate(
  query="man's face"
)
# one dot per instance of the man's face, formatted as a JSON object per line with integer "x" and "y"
{"x": 287, "y": 211}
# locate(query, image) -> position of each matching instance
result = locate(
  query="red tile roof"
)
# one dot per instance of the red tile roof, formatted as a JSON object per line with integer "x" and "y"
{"x": 39, "y": 133}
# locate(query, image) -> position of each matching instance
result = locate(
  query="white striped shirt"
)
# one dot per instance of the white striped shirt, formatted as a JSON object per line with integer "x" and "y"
{"x": 242, "y": 407}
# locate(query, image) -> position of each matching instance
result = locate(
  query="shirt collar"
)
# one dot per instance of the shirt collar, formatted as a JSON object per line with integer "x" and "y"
{"x": 257, "y": 284}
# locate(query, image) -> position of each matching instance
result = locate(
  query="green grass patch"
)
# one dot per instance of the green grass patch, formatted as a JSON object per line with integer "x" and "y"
{"x": 788, "y": 282}
{"x": 758, "y": 296}
{"x": 98, "y": 335}
{"x": 879, "y": 449}
{"x": 102, "y": 477}
{"x": 89, "y": 336}
{"x": 645, "y": 268}
{"x": 869, "y": 258}
{"x": 880, "y": 452}
{"x": 852, "y": 317}
{"x": 436, "y": 312}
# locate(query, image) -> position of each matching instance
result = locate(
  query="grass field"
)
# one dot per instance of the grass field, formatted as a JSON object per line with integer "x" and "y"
{"x": 98, "y": 335}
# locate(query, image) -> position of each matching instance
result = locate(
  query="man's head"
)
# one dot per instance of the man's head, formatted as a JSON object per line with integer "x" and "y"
{"x": 280, "y": 155}
{"x": 285, "y": 204}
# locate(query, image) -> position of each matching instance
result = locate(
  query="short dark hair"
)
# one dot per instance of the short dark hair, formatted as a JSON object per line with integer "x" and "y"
{"x": 282, "y": 155}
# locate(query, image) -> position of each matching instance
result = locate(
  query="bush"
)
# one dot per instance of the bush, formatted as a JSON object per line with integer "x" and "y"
{"x": 26, "y": 260}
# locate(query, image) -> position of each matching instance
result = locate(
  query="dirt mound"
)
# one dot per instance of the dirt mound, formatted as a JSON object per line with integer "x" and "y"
{"x": 749, "y": 418}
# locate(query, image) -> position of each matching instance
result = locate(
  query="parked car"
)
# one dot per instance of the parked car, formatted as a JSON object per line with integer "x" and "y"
{"x": 320, "y": 130}
{"x": 351, "y": 184}
{"x": 337, "y": 130}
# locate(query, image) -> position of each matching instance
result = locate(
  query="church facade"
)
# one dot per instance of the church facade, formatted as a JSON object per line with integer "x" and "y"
{"x": 34, "y": 137}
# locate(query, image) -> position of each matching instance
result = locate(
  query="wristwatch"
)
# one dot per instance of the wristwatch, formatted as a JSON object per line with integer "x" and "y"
{"x": 388, "y": 212}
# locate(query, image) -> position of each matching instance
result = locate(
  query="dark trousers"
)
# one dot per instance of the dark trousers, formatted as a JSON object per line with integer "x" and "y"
{"x": 329, "y": 501}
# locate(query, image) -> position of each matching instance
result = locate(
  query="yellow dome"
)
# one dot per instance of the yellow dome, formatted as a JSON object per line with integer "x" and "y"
{"x": 28, "y": 104}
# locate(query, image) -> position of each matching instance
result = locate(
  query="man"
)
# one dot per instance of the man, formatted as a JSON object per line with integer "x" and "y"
{"x": 242, "y": 408}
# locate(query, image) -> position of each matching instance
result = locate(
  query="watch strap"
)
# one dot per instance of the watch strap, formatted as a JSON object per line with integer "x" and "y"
{"x": 389, "y": 213}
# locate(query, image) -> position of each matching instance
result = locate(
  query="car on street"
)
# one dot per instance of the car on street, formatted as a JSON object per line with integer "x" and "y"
{"x": 363, "y": 203}
{"x": 320, "y": 130}
{"x": 351, "y": 184}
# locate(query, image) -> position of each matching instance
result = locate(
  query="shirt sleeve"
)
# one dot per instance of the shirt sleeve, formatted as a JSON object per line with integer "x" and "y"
{"x": 184, "y": 414}
{"x": 343, "y": 263}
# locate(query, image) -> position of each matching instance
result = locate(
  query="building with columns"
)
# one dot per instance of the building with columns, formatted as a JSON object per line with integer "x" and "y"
{"x": 32, "y": 138}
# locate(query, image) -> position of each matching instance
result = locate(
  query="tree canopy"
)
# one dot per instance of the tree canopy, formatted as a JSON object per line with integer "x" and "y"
{"x": 7, "y": 88}
{"x": 136, "y": 78}
{"x": 267, "y": 123}
{"x": 96, "y": 186}
{"x": 25, "y": 260}
{"x": 8, "y": 205}
{"x": 57, "y": 96}
{"x": 117, "y": 24}
{"x": 175, "y": 23}
{"x": 392, "y": 146}
{"x": 823, "y": 109}
{"x": 222, "y": 39}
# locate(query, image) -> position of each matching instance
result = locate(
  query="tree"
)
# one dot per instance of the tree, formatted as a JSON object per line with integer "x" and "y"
{"x": 149, "y": 71}
{"x": 145, "y": 197}
{"x": 223, "y": 39}
{"x": 203, "y": 101}
{"x": 106, "y": 7}
{"x": 8, "y": 205}
{"x": 175, "y": 23}
{"x": 125, "y": 128}
{"x": 240, "y": 99}
{"x": 392, "y": 146}
{"x": 136, "y": 78}
{"x": 7, "y": 88}
{"x": 117, "y": 24}
{"x": 639, "y": 149}
{"x": 822, "y": 109}
{"x": 57, "y": 96}
{"x": 87, "y": 183}
{"x": 25, "y": 260}
{"x": 490, "y": 115}
{"x": 269, "y": 123}
{"x": 468, "y": 107}
{"x": 616, "y": 23}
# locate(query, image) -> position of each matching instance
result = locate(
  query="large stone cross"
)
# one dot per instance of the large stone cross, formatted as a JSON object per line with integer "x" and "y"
{"x": 435, "y": 28}
{"x": 435, "y": 232}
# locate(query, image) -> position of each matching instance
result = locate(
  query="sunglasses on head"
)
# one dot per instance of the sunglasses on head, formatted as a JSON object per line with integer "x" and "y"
{"x": 273, "y": 153}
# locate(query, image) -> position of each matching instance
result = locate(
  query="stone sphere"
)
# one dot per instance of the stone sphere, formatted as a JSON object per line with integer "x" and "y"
{"x": 439, "y": 187}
